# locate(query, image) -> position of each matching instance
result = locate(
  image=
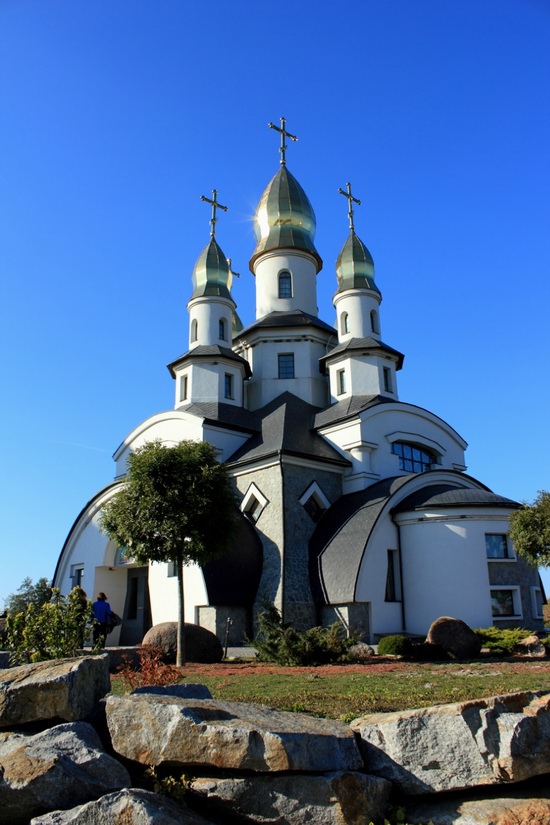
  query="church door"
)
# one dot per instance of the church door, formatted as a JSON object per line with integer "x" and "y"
{"x": 137, "y": 609}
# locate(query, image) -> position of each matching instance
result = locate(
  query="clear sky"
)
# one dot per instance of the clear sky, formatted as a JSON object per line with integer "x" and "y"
{"x": 117, "y": 116}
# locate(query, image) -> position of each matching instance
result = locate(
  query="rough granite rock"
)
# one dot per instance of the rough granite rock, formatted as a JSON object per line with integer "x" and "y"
{"x": 517, "y": 809}
{"x": 167, "y": 730}
{"x": 57, "y": 768}
{"x": 451, "y": 747}
{"x": 64, "y": 689}
{"x": 201, "y": 645}
{"x": 325, "y": 799}
{"x": 126, "y": 807}
{"x": 530, "y": 646}
{"x": 454, "y": 637}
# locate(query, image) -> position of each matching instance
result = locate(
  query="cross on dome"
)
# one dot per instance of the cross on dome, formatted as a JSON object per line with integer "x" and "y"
{"x": 215, "y": 207}
{"x": 284, "y": 134}
{"x": 351, "y": 200}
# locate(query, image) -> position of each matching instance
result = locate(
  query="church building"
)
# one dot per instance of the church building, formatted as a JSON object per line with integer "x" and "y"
{"x": 355, "y": 506}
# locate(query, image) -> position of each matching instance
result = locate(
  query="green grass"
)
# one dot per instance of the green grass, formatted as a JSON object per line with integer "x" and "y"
{"x": 347, "y": 696}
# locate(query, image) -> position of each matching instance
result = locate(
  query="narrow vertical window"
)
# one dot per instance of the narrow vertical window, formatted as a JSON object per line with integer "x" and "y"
{"x": 221, "y": 329}
{"x": 341, "y": 381}
{"x": 374, "y": 322}
{"x": 393, "y": 578}
{"x": 194, "y": 330}
{"x": 228, "y": 385}
{"x": 344, "y": 323}
{"x": 183, "y": 387}
{"x": 286, "y": 365}
{"x": 285, "y": 284}
{"x": 387, "y": 379}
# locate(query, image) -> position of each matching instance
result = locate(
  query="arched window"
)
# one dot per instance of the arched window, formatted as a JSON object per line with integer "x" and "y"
{"x": 194, "y": 330}
{"x": 374, "y": 321}
{"x": 285, "y": 284}
{"x": 221, "y": 329}
{"x": 412, "y": 458}
{"x": 344, "y": 323}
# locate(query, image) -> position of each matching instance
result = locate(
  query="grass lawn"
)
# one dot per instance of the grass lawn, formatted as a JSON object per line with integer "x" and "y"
{"x": 347, "y": 691}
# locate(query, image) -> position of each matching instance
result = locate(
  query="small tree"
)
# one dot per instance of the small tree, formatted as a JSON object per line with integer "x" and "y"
{"x": 177, "y": 506}
{"x": 29, "y": 593}
{"x": 530, "y": 529}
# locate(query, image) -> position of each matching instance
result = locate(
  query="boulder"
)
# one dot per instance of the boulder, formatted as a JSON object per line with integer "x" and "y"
{"x": 360, "y": 652}
{"x": 530, "y": 646}
{"x": 127, "y": 807}
{"x": 167, "y": 730}
{"x": 454, "y": 637}
{"x": 57, "y": 768}
{"x": 451, "y": 747}
{"x": 326, "y": 799}
{"x": 64, "y": 689}
{"x": 201, "y": 645}
{"x": 517, "y": 809}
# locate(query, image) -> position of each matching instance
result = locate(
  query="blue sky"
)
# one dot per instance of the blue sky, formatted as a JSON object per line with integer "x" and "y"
{"x": 117, "y": 116}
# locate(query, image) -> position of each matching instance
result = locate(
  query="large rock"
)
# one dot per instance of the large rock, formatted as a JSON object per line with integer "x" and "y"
{"x": 167, "y": 730}
{"x": 57, "y": 768}
{"x": 64, "y": 689}
{"x": 531, "y": 646}
{"x": 327, "y": 799}
{"x": 126, "y": 807}
{"x": 200, "y": 644}
{"x": 454, "y": 637}
{"x": 485, "y": 742}
{"x": 517, "y": 809}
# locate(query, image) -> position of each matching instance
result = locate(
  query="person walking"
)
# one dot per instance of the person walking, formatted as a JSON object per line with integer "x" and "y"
{"x": 102, "y": 610}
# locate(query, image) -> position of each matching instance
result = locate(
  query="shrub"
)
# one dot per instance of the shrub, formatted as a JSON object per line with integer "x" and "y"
{"x": 501, "y": 641}
{"x": 152, "y": 670}
{"x": 54, "y": 630}
{"x": 284, "y": 645}
{"x": 396, "y": 645}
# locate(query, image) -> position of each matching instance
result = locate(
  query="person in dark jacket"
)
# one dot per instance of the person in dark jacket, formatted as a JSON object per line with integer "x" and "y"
{"x": 102, "y": 611}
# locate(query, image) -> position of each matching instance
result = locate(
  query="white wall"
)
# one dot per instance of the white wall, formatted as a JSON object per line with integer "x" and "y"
{"x": 164, "y": 593}
{"x": 303, "y": 269}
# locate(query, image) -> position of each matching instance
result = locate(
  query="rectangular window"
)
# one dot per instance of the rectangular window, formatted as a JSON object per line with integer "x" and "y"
{"x": 505, "y": 602}
{"x": 496, "y": 546}
{"x": 536, "y": 602}
{"x": 286, "y": 365}
{"x": 387, "y": 379}
{"x": 171, "y": 570}
{"x": 341, "y": 381}
{"x": 393, "y": 578}
{"x": 254, "y": 509}
{"x": 183, "y": 387}
{"x": 77, "y": 573}
{"x": 228, "y": 385}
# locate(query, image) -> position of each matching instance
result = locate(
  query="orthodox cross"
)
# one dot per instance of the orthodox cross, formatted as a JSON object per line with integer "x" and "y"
{"x": 351, "y": 201}
{"x": 215, "y": 206}
{"x": 284, "y": 134}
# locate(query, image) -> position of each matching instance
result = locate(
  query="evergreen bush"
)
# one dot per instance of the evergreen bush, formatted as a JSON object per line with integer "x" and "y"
{"x": 395, "y": 645}
{"x": 501, "y": 641}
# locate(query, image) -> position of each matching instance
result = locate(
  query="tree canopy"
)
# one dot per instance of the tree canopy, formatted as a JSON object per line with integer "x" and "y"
{"x": 29, "y": 593}
{"x": 530, "y": 529}
{"x": 177, "y": 505}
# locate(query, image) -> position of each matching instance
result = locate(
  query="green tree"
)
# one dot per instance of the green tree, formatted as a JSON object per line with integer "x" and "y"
{"x": 29, "y": 593}
{"x": 177, "y": 506}
{"x": 530, "y": 529}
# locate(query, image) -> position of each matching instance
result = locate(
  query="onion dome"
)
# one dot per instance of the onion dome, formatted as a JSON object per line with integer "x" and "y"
{"x": 211, "y": 275}
{"x": 355, "y": 266}
{"x": 284, "y": 218}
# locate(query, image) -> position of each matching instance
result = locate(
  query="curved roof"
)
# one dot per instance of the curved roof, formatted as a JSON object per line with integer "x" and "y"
{"x": 355, "y": 266}
{"x": 445, "y": 495}
{"x": 286, "y": 319}
{"x": 284, "y": 218}
{"x": 208, "y": 351}
{"x": 212, "y": 275}
{"x": 364, "y": 345}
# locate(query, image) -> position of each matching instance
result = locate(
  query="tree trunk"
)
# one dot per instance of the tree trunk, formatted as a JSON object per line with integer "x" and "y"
{"x": 180, "y": 653}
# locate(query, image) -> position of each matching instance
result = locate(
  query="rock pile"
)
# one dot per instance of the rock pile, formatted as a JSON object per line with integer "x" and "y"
{"x": 456, "y": 764}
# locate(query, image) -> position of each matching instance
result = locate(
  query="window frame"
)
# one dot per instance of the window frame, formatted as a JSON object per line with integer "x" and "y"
{"x": 222, "y": 329}
{"x": 387, "y": 376}
{"x": 194, "y": 330}
{"x": 515, "y": 591}
{"x": 184, "y": 387}
{"x": 344, "y": 323}
{"x": 425, "y": 466}
{"x": 229, "y": 386}
{"x": 341, "y": 388}
{"x": 509, "y": 552}
{"x": 284, "y": 283}
{"x": 281, "y": 368}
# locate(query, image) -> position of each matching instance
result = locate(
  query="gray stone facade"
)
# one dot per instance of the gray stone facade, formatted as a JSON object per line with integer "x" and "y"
{"x": 522, "y": 574}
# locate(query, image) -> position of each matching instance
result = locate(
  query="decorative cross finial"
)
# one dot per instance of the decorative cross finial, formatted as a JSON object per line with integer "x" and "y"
{"x": 215, "y": 206}
{"x": 284, "y": 134}
{"x": 235, "y": 274}
{"x": 351, "y": 201}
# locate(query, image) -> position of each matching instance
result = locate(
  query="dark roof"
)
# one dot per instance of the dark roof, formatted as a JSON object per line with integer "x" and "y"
{"x": 226, "y": 414}
{"x": 338, "y": 543}
{"x": 292, "y": 318}
{"x": 445, "y": 495}
{"x": 209, "y": 352}
{"x": 287, "y": 427}
{"x": 349, "y": 408}
{"x": 365, "y": 345}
